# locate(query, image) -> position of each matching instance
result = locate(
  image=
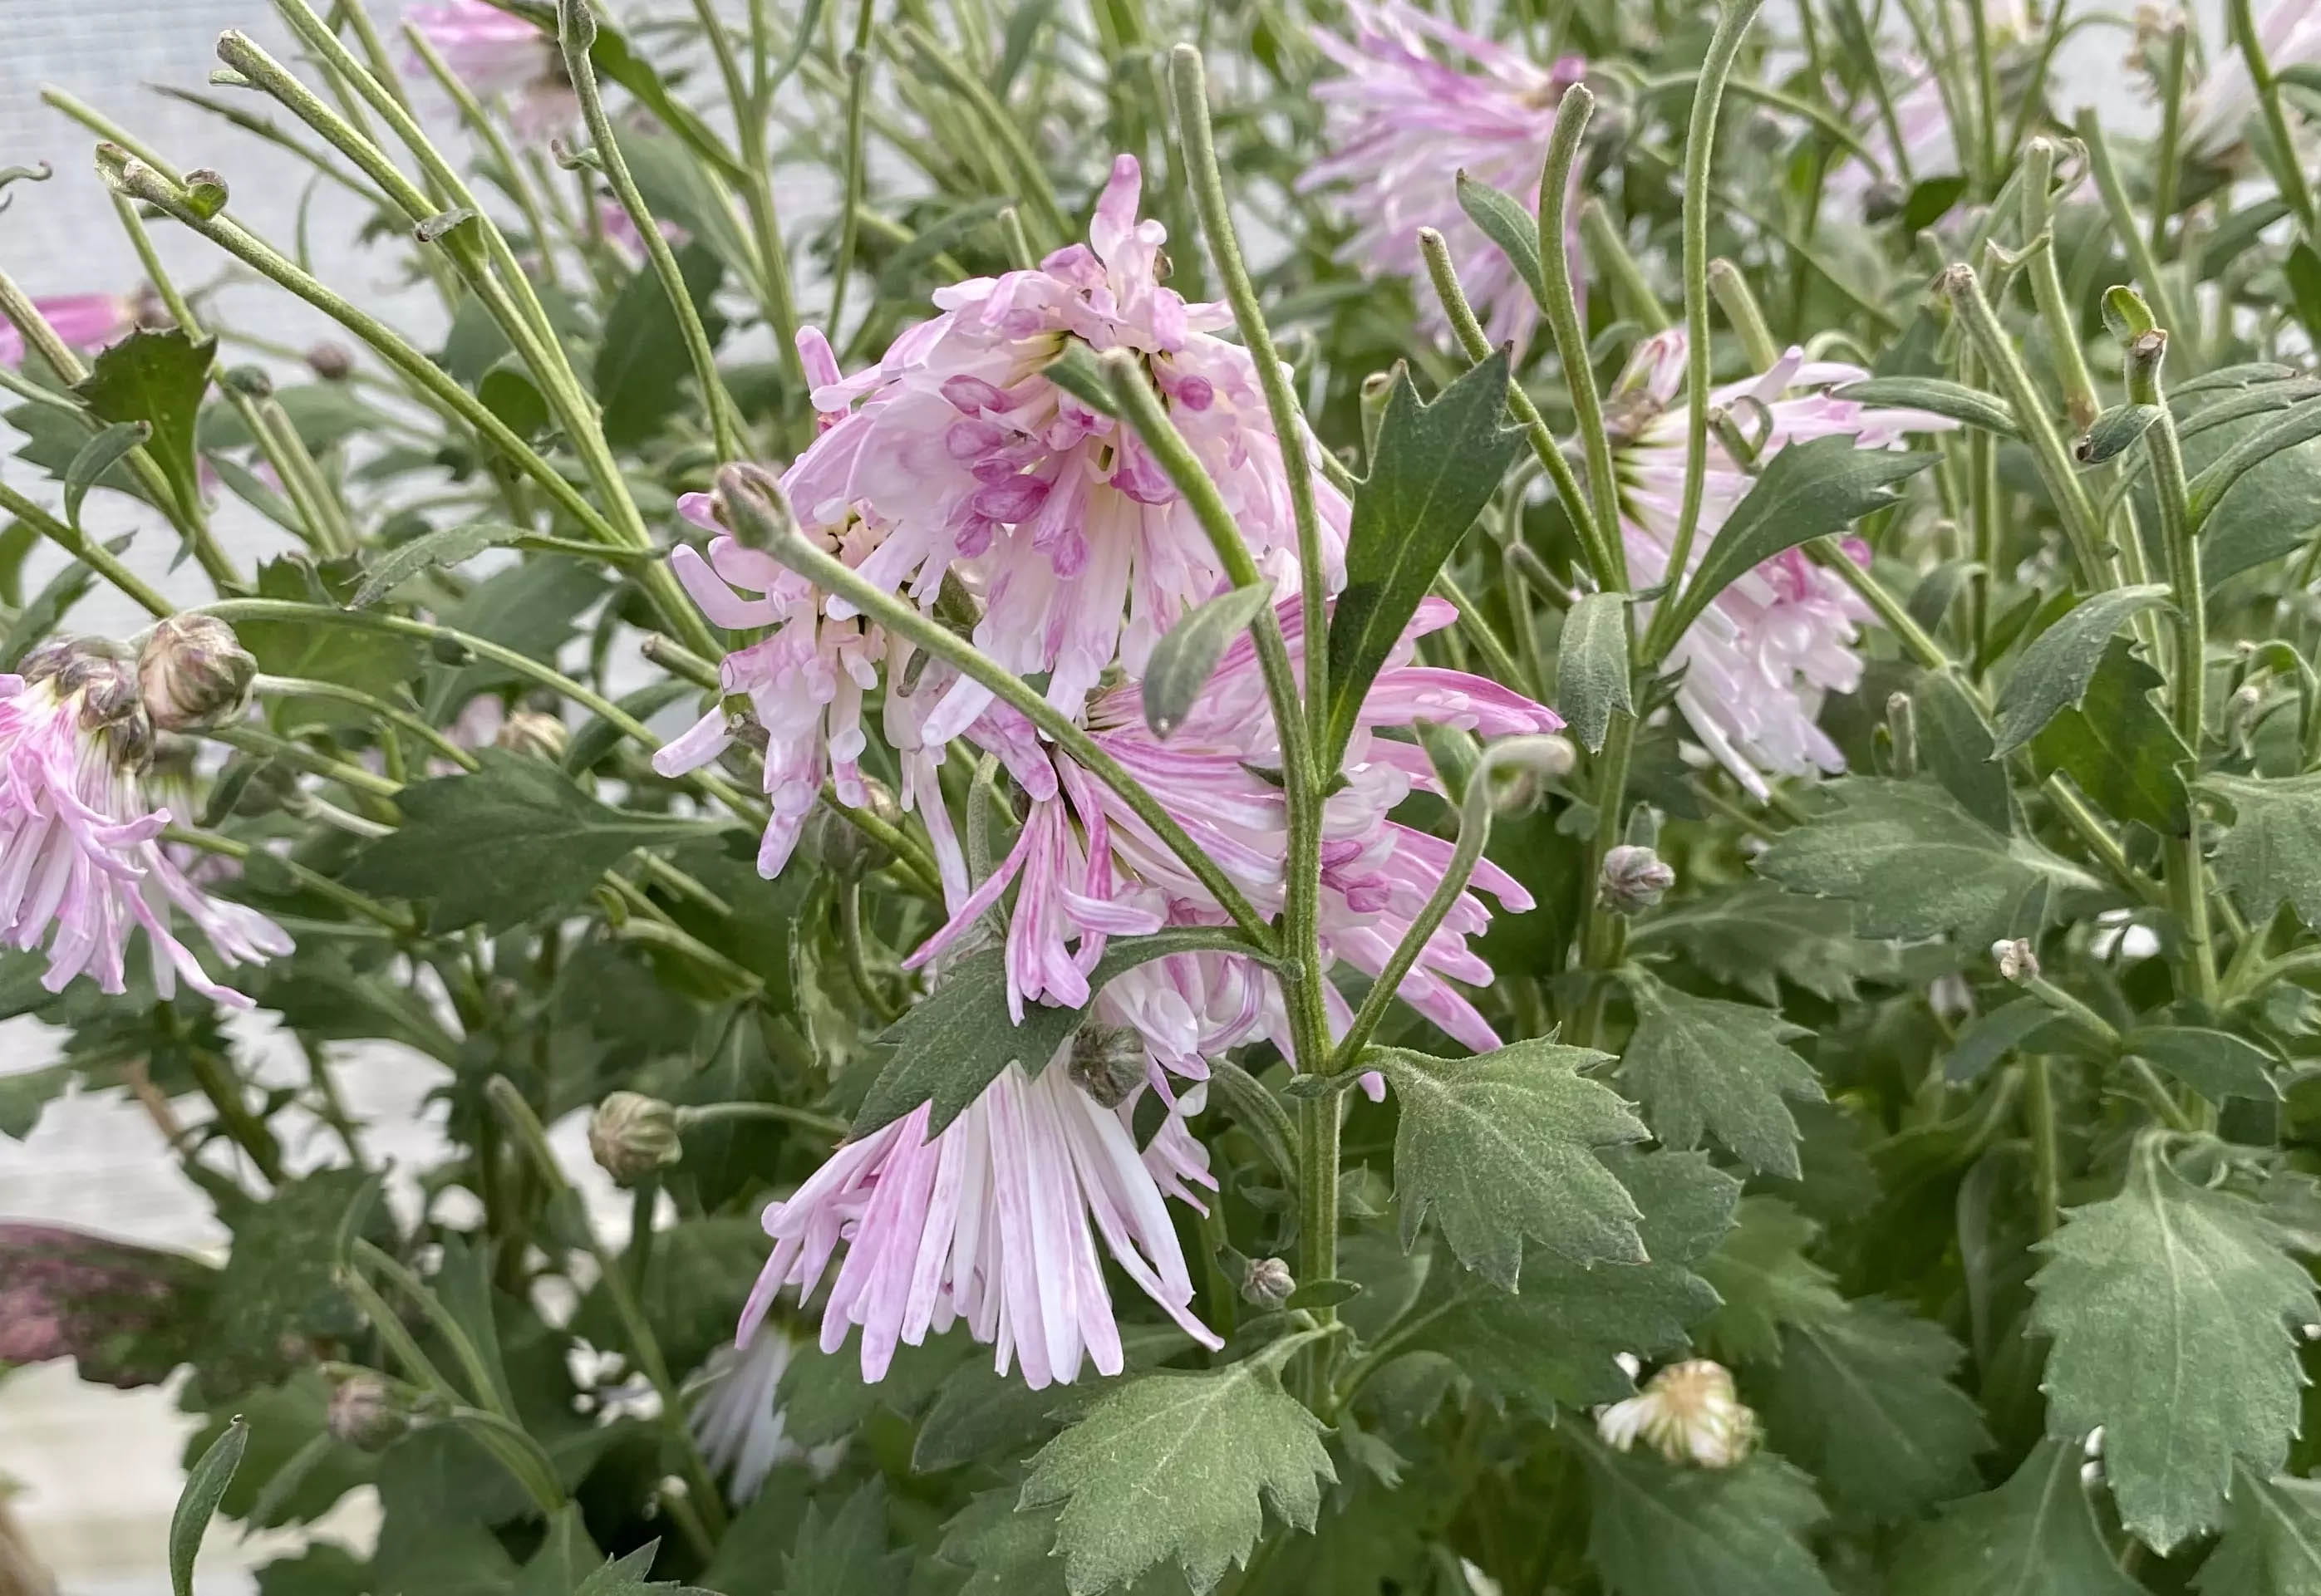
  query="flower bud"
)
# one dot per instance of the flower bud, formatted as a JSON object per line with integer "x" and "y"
{"x": 194, "y": 672}
{"x": 533, "y": 734}
{"x": 1688, "y": 1412}
{"x": 251, "y": 382}
{"x": 842, "y": 848}
{"x": 205, "y": 192}
{"x": 631, "y": 1136}
{"x": 1107, "y": 1062}
{"x": 362, "y": 1412}
{"x": 333, "y": 362}
{"x": 1633, "y": 878}
{"x": 2017, "y": 961}
{"x": 1268, "y": 1283}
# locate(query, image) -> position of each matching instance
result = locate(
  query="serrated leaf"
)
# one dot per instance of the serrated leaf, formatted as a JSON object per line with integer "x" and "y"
{"x": 2126, "y": 756}
{"x": 2273, "y": 851}
{"x": 2170, "y": 1306}
{"x": 1916, "y": 864}
{"x": 1187, "y": 655}
{"x": 1591, "y": 666}
{"x": 2216, "y": 1064}
{"x": 1865, "y": 1400}
{"x": 957, "y": 1040}
{"x": 1765, "y": 1280}
{"x": 2271, "y": 1544}
{"x": 278, "y": 1289}
{"x": 512, "y": 840}
{"x": 1809, "y": 490}
{"x": 157, "y": 378}
{"x": 2055, "y": 669}
{"x": 1704, "y": 1066}
{"x": 1954, "y": 745}
{"x": 1179, "y": 1467}
{"x": 204, "y": 1485}
{"x": 2035, "y": 1536}
{"x": 642, "y": 368}
{"x": 1658, "y": 1530}
{"x": 846, "y": 1553}
{"x": 1011, "y": 1553}
{"x": 1971, "y": 406}
{"x": 1501, "y": 1147}
{"x": 1754, "y": 935}
{"x": 981, "y": 1413}
{"x": 1436, "y": 468}
{"x": 447, "y": 547}
{"x": 97, "y": 456}
{"x": 1506, "y": 222}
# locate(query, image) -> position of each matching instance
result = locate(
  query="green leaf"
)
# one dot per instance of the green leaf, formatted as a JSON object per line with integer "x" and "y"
{"x": 846, "y": 1555}
{"x": 2125, "y": 755}
{"x": 958, "y": 1039}
{"x": 323, "y": 648}
{"x": 642, "y": 368}
{"x": 1754, "y": 935}
{"x": 2114, "y": 433}
{"x": 1591, "y": 666}
{"x": 1954, "y": 744}
{"x": 2170, "y": 1306}
{"x": 2271, "y": 1544}
{"x": 510, "y": 840}
{"x": 1916, "y": 864}
{"x": 2035, "y": 1536}
{"x": 1502, "y": 1147}
{"x": 1187, "y": 656}
{"x": 2055, "y": 669}
{"x": 447, "y": 547}
{"x": 40, "y": 618}
{"x": 1987, "y": 1038}
{"x": 1657, "y": 1529}
{"x": 2272, "y": 510}
{"x": 1177, "y": 1467}
{"x": 1766, "y": 1282}
{"x": 204, "y": 1484}
{"x": 97, "y": 458}
{"x": 1970, "y": 406}
{"x": 158, "y": 378}
{"x": 1514, "y": 228}
{"x": 2216, "y": 1064}
{"x": 1435, "y": 468}
{"x": 1702, "y": 1065}
{"x": 980, "y": 1413}
{"x": 1864, "y": 1399}
{"x": 2273, "y": 851}
{"x": 1011, "y": 1553}
{"x": 1809, "y": 490}
{"x": 508, "y": 391}
{"x": 280, "y": 1290}
{"x": 26, "y": 1094}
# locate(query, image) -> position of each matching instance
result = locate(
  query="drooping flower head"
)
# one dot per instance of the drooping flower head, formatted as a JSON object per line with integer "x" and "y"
{"x": 85, "y": 321}
{"x": 1421, "y": 102}
{"x": 957, "y": 456}
{"x": 737, "y": 1419}
{"x": 1760, "y": 658}
{"x": 81, "y": 866}
{"x": 494, "y": 52}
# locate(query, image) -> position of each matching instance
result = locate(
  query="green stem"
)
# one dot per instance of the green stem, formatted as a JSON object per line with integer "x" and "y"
{"x": 2169, "y": 154}
{"x": 1747, "y": 318}
{"x": 89, "y": 552}
{"x": 271, "y": 686}
{"x": 2131, "y": 238}
{"x": 858, "y": 101}
{"x": 1561, "y": 309}
{"x": 1004, "y": 126}
{"x": 313, "y": 881}
{"x": 2039, "y": 1125}
{"x": 214, "y": 1075}
{"x": 1630, "y": 291}
{"x": 2079, "y": 400}
{"x": 710, "y": 1114}
{"x": 486, "y": 129}
{"x": 2287, "y": 170}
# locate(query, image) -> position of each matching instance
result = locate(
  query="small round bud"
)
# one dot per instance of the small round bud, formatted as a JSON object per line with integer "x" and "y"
{"x": 534, "y": 734}
{"x": 205, "y": 192}
{"x": 362, "y": 1412}
{"x": 1688, "y": 1412}
{"x": 1107, "y": 1062}
{"x": 333, "y": 362}
{"x": 844, "y": 849}
{"x": 249, "y": 381}
{"x": 1268, "y": 1283}
{"x": 631, "y": 1136}
{"x": 1633, "y": 878}
{"x": 2017, "y": 961}
{"x": 194, "y": 672}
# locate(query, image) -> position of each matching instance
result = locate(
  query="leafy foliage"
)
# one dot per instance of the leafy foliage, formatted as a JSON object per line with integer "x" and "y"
{"x": 2038, "y": 1533}
{"x": 1705, "y": 1065}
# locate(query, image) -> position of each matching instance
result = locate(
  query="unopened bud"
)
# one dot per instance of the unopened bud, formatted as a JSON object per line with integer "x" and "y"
{"x": 1517, "y": 767}
{"x": 205, "y": 193}
{"x": 533, "y": 734}
{"x": 631, "y": 1136}
{"x": 1268, "y": 1283}
{"x": 844, "y": 849}
{"x": 752, "y": 506}
{"x": 362, "y": 1412}
{"x": 1688, "y": 1412}
{"x": 194, "y": 672}
{"x": 333, "y": 362}
{"x": 1107, "y": 1062}
{"x": 2017, "y": 961}
{"x": 1633, "y": 878}
{"x": 249, "y": 381}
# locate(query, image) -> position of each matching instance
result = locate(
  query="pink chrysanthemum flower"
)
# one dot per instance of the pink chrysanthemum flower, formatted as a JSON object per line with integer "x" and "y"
{"x": 2223, "y": 101}
{"x": 1421, "y": 102}
{"x": 84, "y": 321}
{"x": 737, "y": 1419}
{"x": 493, "y": 52}
{"x": 1760, "y": 658}
{"x": 81, "y": 866}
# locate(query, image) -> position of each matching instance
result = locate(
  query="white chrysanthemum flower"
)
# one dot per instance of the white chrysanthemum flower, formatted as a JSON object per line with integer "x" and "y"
{"x": 1688, "y": 1414}
{"x": 737, "y": 1416}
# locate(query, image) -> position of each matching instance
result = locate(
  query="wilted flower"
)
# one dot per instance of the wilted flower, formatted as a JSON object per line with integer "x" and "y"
{"x": 1688, "y": 1414}
{"x": 83, "y": 321}
{"x": 1633, "y": 878}
{"x": 632, "y": 1136}
{"x": 2018, "y": 960}
{"x": 493, "y": 52}
{"x": 1759, "y": 659}
{"x": 737, "y": 1418}
{"x": 193, "y": 671}
{"x": 537, "y": 734}
{"x": 80, "y": 862}
{"x": 1422, "y": 101}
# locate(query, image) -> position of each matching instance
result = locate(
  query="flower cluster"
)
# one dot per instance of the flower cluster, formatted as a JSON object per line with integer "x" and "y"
{"x": 957, "y": 474}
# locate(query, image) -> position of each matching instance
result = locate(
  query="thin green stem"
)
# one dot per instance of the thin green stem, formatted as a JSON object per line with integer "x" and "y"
{"x": 710, "y": 1114}
{"x": 233, "y": 847}
{"x": 1561, "y": 309}
{"x": 1742, "y": 312}
{"x": 2287, "y": 168}
{"x": 486, "y": 129}
{"x": 2079, "y": 400}
{"x": 2039, "y": 1126}
{"x": 2168, "y": 155}
{"x": 89, "y": 552}
{"x": 2131, "y": 237}
{"x": 859, "y": 59}
{"x": 1613, "y": 262}
{"x": 271, "y": 686}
